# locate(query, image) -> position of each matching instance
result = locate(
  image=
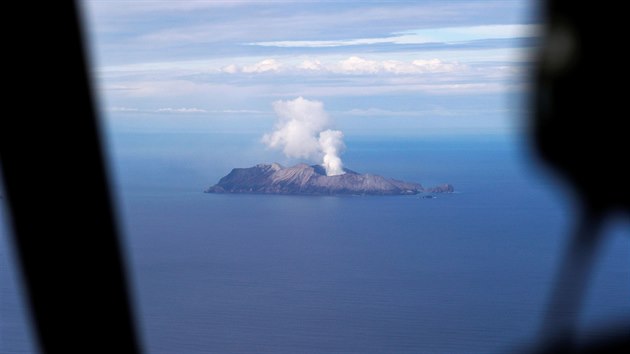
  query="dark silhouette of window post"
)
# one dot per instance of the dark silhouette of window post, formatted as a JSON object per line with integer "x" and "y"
{"x": 64, "y": 228}
{"x": 579, "y": 130}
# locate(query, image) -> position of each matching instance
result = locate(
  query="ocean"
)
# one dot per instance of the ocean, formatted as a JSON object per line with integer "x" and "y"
{"x": 467, "y": 272}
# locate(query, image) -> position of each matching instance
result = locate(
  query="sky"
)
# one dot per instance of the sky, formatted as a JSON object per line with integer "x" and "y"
{"x": 379, "y": 67}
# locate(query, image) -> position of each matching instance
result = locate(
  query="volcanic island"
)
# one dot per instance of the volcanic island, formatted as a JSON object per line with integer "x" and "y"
{"x": 304, "y": 179}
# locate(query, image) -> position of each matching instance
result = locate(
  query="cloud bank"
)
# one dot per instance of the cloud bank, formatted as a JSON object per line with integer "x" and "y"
{"x": 351, "y": 65}
{"x": 421, "y": 36}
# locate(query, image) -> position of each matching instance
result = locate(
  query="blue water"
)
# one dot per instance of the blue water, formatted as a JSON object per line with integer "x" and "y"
{"x": 464, "y": 273}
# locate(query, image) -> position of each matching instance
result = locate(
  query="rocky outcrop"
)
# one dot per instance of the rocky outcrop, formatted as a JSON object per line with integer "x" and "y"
{"x": 442, "y": 188}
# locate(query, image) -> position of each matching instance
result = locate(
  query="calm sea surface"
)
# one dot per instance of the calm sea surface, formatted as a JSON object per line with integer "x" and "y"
{"x": 463, "y": 273}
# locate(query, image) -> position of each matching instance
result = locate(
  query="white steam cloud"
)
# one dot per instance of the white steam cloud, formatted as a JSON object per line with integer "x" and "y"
{"x": 302, "y": 131}
{"x": 331, "y": 143}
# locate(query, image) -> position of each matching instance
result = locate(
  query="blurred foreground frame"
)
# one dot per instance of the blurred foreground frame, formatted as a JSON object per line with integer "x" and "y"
{"x": 62, "y": 221}
{"x": 579, "y": 132}
{"x": 64, "y": 227}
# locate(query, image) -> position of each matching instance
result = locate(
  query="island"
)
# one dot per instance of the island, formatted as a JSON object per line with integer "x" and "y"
{"x": 303, "y": 179}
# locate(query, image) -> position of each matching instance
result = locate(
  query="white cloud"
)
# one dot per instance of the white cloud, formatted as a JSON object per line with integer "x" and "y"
{"x": 265, "y": 65}
{"x": 324, "y": 44}
{"x": 398, "y": 67}
{"x": 180, "y": 110}
{"x": 350, "y": 65}
{"x": 358, "y": 65}
{"x": 262, "y": 66}
{"x": 314, "y": 65}
{"x": 422, "y": 36}
{"x": 230, "y": 69}
{"x": 436, "y": 65}
{"x": 313, "y": 75}
{"x": 123, "y": 109}
{"x": 421, "y": 66}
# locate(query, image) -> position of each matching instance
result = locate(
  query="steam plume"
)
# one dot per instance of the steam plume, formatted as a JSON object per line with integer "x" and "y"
{"x": 302, "y": 131}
